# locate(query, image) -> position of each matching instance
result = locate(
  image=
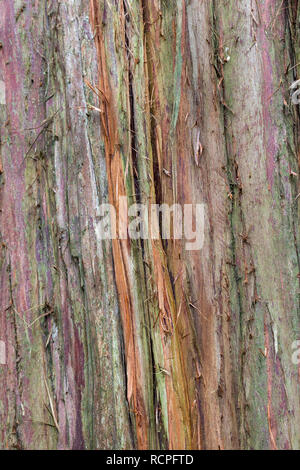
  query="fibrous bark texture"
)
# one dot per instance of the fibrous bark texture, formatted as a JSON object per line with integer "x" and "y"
{"x": 124, "y": 344}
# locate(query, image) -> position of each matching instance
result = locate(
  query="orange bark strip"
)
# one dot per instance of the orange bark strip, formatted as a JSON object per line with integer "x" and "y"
{"x": 116, "y": 187}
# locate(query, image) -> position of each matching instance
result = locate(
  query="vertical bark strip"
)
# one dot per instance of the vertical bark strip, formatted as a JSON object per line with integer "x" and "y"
{"x": 122, "y": 344}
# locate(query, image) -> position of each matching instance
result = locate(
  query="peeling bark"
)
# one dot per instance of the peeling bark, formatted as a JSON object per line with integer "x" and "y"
{"x": 143, "y": 344}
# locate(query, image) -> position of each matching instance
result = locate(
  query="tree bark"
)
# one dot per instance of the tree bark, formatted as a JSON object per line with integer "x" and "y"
{"x": 123, "y": 344}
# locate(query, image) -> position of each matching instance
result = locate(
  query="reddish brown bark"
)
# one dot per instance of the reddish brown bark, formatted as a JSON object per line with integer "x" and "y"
{"x": 143, "y": 343}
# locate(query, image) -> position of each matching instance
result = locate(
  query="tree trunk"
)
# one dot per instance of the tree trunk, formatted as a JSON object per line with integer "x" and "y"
{"x": 123, "y": 344}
